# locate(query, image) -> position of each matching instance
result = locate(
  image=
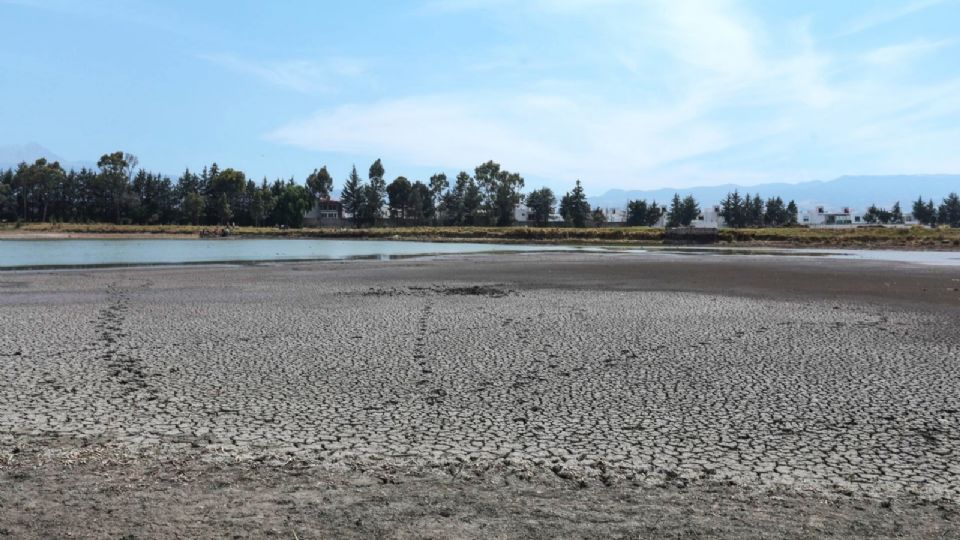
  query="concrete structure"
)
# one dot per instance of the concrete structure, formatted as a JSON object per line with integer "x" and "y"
{"x": 614, "y": 215}
{"x": 823, "y": 217}
{"x": 524, "y": 214}
{"x": 327, "y": 213}
{"x": 709, "y": 218}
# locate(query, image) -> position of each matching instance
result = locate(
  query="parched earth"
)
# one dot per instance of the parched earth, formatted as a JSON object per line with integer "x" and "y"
{"x": 503, "y": 395}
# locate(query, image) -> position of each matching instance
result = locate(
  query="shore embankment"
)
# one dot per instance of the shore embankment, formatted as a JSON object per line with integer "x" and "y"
{"x": 859, "y": 238}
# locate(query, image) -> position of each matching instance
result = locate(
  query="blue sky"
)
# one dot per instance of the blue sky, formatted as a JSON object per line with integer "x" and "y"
{"x": 619, "y": 93}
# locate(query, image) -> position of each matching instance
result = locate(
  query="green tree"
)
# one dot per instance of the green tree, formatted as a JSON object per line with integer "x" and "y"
{"x": 641, "y": 214}
{"x": 7, "y": 202}
{"x": 192, "y": 207}
{"x": 754, "y": 211}
{"x": 375, "y": 193}
{"x": 472, "y": 202}
{"x": 925, "y": 213}
{"x": 776, "y": 213}
{"x": 38, "y": 184}
{"x": 294, "y": 201}
{"x": 682, "y": 211}
{"x": 541, "y": 203}
{"x": 115, "y": 172}
{"x": 896, "y": 214}
{"x": 225, "y": 188}
{"x": 598, "y": 217}
{"x": 732, "y": 209}
{"x": 501, "y": 192}
{"x": 398, "y": 194}
{"x": 877, "y": 215}
{"x": 320, "y": 184}
{"x": 438, "y": 186}
{"x": 792, "y": 213}
{"x": 574, "y": 206}
{"x": 420, "y": 207}
{"x": 262, "y": 204}
{"x": 352, "y": 196}
{"x": 949, "y": 211}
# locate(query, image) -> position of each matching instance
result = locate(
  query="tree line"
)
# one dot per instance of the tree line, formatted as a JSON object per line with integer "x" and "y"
{"x": 118, "y": 192}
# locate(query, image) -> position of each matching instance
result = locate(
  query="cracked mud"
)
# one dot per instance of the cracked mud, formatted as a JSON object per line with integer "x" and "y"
{"x": 599, "y": 370}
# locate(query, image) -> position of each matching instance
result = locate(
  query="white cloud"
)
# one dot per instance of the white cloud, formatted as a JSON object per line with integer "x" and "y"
{"x": 306, "y": 76}
{"x": 902, "y": 52}
{"x": 885, "y": 16}
{"x": 742, "y": 101}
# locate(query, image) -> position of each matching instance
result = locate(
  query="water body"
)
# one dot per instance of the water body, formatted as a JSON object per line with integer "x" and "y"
{"x": 146, "y": 251}
{"x": 29, "y": 254}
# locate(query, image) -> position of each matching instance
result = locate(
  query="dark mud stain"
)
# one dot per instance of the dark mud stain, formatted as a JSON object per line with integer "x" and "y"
{"x": 489, "y": 291}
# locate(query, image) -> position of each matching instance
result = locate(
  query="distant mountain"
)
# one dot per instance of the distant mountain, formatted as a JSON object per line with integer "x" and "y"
{"x": 857, "y": 192}
{"x": 12, "y": 155}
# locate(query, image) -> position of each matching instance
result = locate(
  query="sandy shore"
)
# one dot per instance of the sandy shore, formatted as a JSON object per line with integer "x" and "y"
{"x": 512, "y": 395}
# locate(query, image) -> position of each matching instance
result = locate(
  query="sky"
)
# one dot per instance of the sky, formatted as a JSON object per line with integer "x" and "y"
{"x": 622, "y": 94}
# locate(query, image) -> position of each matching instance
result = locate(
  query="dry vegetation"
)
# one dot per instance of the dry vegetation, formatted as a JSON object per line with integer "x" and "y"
{"x": 863, "y": 237}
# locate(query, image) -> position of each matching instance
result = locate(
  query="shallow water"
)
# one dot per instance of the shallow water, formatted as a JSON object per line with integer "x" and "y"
{"x": 65, "y": 253}
{"x": 112, "y": 252}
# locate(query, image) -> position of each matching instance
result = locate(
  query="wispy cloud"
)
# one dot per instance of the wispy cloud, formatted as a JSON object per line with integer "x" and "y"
{"x": 306, "y": 76}
{"x": 736, "y": 99}
{"x": 885, "y": 16}
{"x": 902, "y": 52}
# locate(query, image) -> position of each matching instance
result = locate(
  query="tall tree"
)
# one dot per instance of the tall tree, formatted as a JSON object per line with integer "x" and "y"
{"x": 682, "y": 211}
{"x": 438, "y": 185}
{"x": 574, "y": 206}
{"x": 192, "y": 207}
{"x": 375, "y": 193}
{"x": 226, "y": 187}
{"x": 115, "y": 172}
{"x": 294, "y": 201}
{"x": 642, "y": 214}
{"x": 949, "y": 211}
{"x": 896, "y": 214}
{"x": 352, "y": 196}
{"x": 320, "y": 184}
{"x": 501, "y": 192}
{"x": 732, "y": 209}
{"x": 793, "y": 213}
{"x": 398, "y": 193}
{"x": 925, "y": 213}
{"x": 262, "y": 204}
{"x": 776, "y": 214}
{"x": 420, "y": 207}
{"x": 541, "y": 203}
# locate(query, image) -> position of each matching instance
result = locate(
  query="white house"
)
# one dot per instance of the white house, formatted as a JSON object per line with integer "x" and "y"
{"x": 614, "y": 215}
{"x": 823, "y": 217}
{"x": 523, "y": 214}
{"x": 709, "y": 218}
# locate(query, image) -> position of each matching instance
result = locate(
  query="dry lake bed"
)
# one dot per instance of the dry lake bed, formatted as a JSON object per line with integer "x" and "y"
{"x": 527, "y": 394}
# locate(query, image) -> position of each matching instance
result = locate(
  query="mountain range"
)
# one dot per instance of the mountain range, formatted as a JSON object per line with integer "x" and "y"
{"x": 12, "y": 155}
